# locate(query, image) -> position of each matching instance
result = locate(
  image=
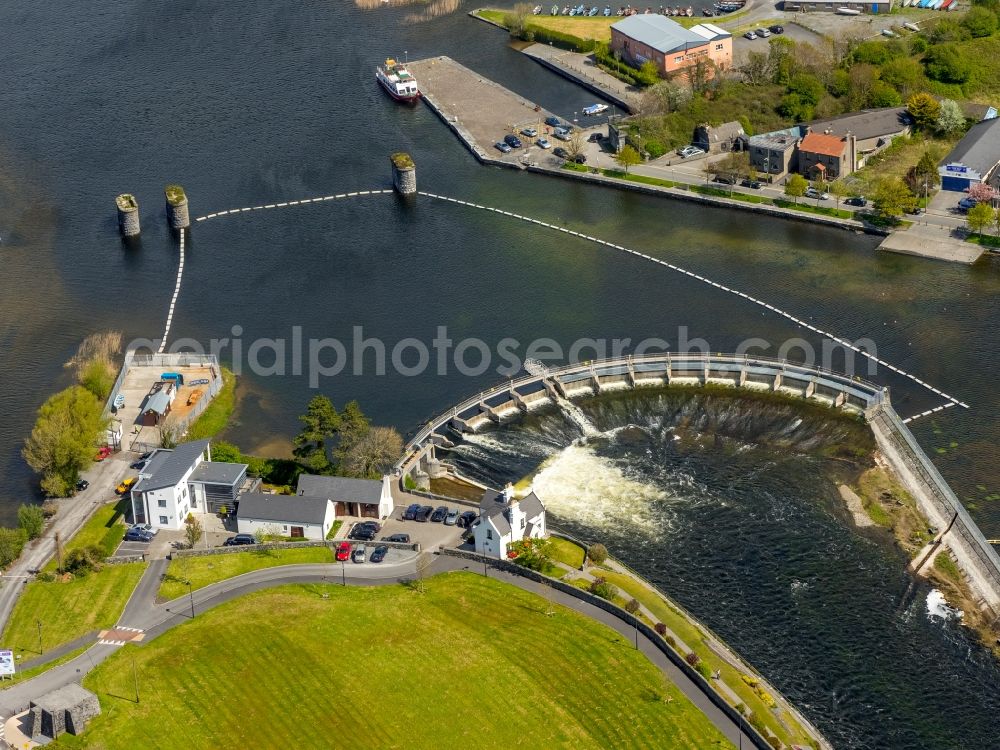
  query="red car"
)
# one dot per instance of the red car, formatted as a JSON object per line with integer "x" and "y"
{"x": 343, "y": 552}
{"x": 102, "y": 453}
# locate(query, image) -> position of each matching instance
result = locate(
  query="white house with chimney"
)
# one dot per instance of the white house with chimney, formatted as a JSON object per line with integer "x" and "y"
{"x": 505, "y": 519}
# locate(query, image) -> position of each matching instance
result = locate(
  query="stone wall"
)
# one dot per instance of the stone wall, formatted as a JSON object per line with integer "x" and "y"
{"x": 128, "y": 215}
{"x": 330, "y": 543}
{"x": 651, "y": 635}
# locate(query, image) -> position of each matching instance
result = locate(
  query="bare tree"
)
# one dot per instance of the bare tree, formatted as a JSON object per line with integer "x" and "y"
{"x": 374, "y": 453}
{"x": 574, "y": 146}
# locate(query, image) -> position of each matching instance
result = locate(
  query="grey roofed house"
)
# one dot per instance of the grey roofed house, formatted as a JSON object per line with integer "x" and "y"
{"x": 492, "y": 506}
{"x": 866, "y": 124}
{"x": 158, "y": 402}
{"x": 658, "y": 32}
{"x": 212, "y": 472}
{"x": 283, "y": 508}
{"x": 340, "y": 488}
{"x": 171, "y": 468}
{"x": 531, "y": 505}
{"x": 979, "y": 149}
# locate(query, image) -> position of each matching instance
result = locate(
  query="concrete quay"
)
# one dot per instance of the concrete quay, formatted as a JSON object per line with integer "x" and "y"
{"x": 932, "y": 241}
{"x": 583, "y": 70}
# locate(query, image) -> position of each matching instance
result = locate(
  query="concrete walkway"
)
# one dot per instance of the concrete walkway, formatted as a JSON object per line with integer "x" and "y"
{"x": 932, "y": 241}
{"x": 156, "y": 619}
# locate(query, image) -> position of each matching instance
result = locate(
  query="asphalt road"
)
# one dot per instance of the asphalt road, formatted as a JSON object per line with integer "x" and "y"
{"x": 142, "y": 612}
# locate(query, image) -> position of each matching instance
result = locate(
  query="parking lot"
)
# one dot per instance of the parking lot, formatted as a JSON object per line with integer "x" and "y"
{"x": 430, "y": 536}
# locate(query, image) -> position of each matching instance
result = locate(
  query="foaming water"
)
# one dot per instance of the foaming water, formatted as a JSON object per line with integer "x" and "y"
{"x": 731, "y": 506}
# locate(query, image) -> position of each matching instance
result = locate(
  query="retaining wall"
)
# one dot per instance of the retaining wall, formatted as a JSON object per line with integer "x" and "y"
{"x": 330, "y": 543}
{"x": 632, "y": 621}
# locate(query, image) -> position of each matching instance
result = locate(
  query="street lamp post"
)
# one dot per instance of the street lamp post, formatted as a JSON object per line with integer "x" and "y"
{"x": 343, "y": 573}
{"x": 39, "y": 623}
{"x": 190, "y": 596}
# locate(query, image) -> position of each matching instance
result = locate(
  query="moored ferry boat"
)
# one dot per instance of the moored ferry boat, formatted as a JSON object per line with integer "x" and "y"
{"x": 397, "y": 81}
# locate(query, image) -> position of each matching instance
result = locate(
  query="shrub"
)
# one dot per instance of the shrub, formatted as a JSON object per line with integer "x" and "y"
{"x": 980, "y": 22}
{"x": 11, "y": 543}
{"x": 597, "y": 553}
{"x": 49, "y": 508}
{"x": 704, "y": 670}
{"x": 671, "y": 641}
{"x": 661, "y": 629}
{"x": 32, "y": 520}
{"x": 632, "y": 606}
{"x": 947, "y": 63}
{"x": 693, "y": 659}
{"x": 655, "y": 149}
{"x": 82, "y": 560}
{"x": 600, "y": 587}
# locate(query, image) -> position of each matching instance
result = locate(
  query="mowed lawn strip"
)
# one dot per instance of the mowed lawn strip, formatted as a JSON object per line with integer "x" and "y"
{"x": 202, "y": 571}
{"x": 424, "y": 665}
{"x": 105, "y": 529}
{"x": 69, "y": 609}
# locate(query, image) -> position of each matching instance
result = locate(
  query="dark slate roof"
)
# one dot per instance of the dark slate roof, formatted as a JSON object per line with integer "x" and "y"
{"x": 282, "y": 508}
{"x": 865, "y": 124}
{"x": 217, "y": 472}
{"x": 531, "y": 505}
{"x": 658, "y": 32}
{"x": 778, "y": 140}
{"x": 494, "y": 507}
{"x": 172, "y": 467}
{"x": 979, "y": 149}
{"x": 340, "y": 488}
{"x": 158, "y": 402}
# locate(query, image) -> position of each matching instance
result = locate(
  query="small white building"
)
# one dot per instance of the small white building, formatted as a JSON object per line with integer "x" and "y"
{"x": 183, "y": 480}
{"x": 299, "y": 516}
{"x": 365, "y": 498}
{"x": 504, "y": 519}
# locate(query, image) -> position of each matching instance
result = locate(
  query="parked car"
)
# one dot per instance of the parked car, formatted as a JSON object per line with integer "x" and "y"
{"x": 82, "y": 485}
{"x": 239, "y": 540}
{"x": 812, "y": 192}
{"x": 102, "y": 453}
{"x": 465, "y": 520}
{"x": 362, "y": 532}
{"x": 424, "y": 515}
{"x": 148, "y": 528}
{"x": 763, "y": 33}
{"x": 529, "y": 132}
{"x": 689, "y": 151}
{"x": 343, "y": 551}
{"x": 966, "y": 203}
{"x": 916, "y": 211}
{"x": 561, "y": 133}
{"x": 560, "y": 152}
{"x": 752, "y": 184}
{"x": 451, "y": 518}
{"x": 750, "y": 35}
{"x": 543, "y": 143}
{"x": 138, "y": 465}
{"x": 502, "y": 147}
{"x": 138, "y": 534}
{"x": 776, "y": 29}
{"x": 401, "y": 538}
{"x": 595, "y": 138}
{"x": 359, "y": 554}
{"x": 724, "y": 179}
{"x": 440, "y": 513}
{"x": 411, "y": 511}
{"x": 378, "y": 554}
{"x": 553, "y": 122}
{"x": 857, "y": 200}
{"x": 579, "y": 159}
{"x": 513, "y": 141}
{"x": 125, "y": 485}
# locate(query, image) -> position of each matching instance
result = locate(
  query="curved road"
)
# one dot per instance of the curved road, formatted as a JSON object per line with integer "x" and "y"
{"x": 143, "y": 613}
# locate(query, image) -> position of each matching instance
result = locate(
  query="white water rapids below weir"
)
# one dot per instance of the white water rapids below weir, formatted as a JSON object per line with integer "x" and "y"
{"x": 949, "y": 400}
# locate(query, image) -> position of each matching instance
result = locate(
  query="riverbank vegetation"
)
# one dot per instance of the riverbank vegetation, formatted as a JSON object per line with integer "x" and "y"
{"x": 216, "y": 416}
{"x": 458, "y": 660}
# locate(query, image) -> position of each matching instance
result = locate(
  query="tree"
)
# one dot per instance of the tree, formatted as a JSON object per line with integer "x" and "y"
{"x": 224, "y": 452}
{"x": 597, "y": 554}
{"x": 924, "y": 109}
{"x": 663, "y": 98}
{"x": 904, "y": 74}
{"x": 11, "y": 543}
{"x": 374, "y": 453}
{"x": 839, "y": 190}
{"x": 353, "y": 426}
{"x": 982, "y": 193}
{"x": 996, "y": 221}
{"x": 979, "y": 217}
{"x": 64, "y": 439}
{"x": 320, "y": 423}
{"x": 192, "y": 530}
{"x": 31, "y": 519}
{"x": 97, "y": 378}
{"x": 924, "y": 175}
{"x": 947, "y": 63}
{"x": 862, "y": 79}
{"x": 756, "y": 71}
{"x": 951, "y": 119}
{"x": 892, "y": 197}
{"x": 795, "y": 186}
{"x": 168, "y": 436}
{"x": 980, "y": 22}
{"x": 574, "y": 146}
{"x": 517, "y": 20}
{"x": 627, "y": 157}
{"x": 883, "y": 95}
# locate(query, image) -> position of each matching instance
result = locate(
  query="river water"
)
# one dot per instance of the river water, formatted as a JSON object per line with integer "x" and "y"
{"x": 260, "y": 103}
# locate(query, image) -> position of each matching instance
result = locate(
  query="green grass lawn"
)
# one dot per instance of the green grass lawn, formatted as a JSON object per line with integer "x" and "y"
{"x": 438, "y": 669}
{"x": 104, "y": 530}
{"x": 69, "y": 609}
{"x": 566, "y": 552}
{"x": 216, "y": 415}
{"x": 202, "y": 571}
